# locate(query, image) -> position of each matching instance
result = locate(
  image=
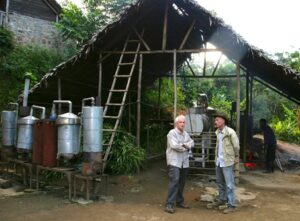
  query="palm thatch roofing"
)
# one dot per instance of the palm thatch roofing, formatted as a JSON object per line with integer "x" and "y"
{"x": 79, "y": 75}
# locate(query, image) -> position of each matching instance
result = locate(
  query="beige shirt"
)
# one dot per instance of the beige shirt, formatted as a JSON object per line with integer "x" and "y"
{"x": 177, "y": 155}
{"x": 230, "y": 146}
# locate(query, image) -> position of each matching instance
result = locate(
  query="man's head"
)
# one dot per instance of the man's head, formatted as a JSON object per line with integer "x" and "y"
{"x": 262, "y": 123}
{"x": 220, "y": 120}
{"x": 180, "y": 122}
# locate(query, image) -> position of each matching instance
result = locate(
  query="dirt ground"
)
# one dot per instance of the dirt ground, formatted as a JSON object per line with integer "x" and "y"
{"x": 142, "y": 197}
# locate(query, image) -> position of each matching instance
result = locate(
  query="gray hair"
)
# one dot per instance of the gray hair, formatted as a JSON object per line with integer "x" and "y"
{"x": 179, "y": 117}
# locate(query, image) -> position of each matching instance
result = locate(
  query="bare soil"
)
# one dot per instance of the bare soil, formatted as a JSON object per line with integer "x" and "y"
{"x": 142, "y": 197}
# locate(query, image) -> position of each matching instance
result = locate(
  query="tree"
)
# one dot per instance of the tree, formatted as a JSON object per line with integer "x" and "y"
{"x": 79, "y": 25}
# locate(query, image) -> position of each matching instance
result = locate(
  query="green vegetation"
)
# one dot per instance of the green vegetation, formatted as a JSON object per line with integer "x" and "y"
{"x": 80, "y": 25}
{"x": 125, "y": 157}
{"x": 18, "y": 61}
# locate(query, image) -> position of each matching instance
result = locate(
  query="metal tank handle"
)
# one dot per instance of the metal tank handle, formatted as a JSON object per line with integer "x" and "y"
{"x": 40, "y": 108}
{"x": 61, "y": 102}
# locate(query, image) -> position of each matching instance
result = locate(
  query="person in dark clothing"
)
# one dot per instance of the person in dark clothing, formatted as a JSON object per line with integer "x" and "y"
{"x": 269, "y": 144}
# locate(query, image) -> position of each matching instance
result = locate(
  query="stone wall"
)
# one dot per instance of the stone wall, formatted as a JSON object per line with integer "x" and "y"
{"x": 35, "y": 31}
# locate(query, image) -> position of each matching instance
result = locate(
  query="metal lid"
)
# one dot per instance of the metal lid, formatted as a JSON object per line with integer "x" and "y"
{"x": 68, "y": 118}
{"x": 28, "y": 120}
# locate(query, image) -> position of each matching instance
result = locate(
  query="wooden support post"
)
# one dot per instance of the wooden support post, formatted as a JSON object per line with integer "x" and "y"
{"x": 165, "y": 28}
{"x": 204, "y": 62}
{"x": 129, "y": 112}
{"x": 238, "y": 98}
{"x": 217, "y": 65}
{"x": 6, "y": 12}
{"x": 187, "y": 35}
{"x": 251, "y": 95}
{"x": 246, "y": 116}
{"x": 141, "y": 38}
{"x": 159, "y": 94}
{"x": 98, "y": 99}
{"x": 59, "y": 94}
{"x": 138, "y": 126}
{"x": 175, "y": 82}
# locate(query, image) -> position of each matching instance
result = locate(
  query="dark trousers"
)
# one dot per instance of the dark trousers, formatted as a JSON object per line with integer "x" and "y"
{"x": 177, "y": 178}
{"x": 270, "y": 157}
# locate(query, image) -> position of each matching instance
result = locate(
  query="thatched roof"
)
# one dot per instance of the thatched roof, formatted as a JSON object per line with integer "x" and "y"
{"x": 79, "y": 75}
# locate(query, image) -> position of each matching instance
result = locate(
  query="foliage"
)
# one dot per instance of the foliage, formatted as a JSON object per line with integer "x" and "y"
{"x": 6, "y": 42}
{"x": 166, "y": 96}
{"x": 80, "y": 24}
{"x": 125, "y": 157}
{"x": 29, "y": 60}
{"x": 287, "y": 129}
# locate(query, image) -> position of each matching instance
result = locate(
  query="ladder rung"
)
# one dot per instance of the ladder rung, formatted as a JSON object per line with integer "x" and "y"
{"x": 111, "y": 117}
{"x": 127, "y": 63}
{"x": 108, "y": 130}
{"x": 122, "y": 76}
{"x": 118, "y": 90}
{"x": 114, "y": 104}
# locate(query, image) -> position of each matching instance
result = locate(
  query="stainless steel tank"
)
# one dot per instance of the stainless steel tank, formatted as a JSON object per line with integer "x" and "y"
{"x": 9, "y": 126}
{"x": 68, "y": 137}
{"x": 25, "y": 128}
{"x": 92, "y": 122}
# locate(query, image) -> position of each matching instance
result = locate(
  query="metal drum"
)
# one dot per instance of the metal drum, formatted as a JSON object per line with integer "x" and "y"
{"x": 9, "y": 126}
{"x": 25, "y": 129}
{"x": 8, "y": 120}
{"x": 92, "y": 122}
{"x": 68, "y": 143}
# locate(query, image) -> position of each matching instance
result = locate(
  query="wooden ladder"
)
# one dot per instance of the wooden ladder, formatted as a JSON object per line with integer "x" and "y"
{"x": 113, "y": 110}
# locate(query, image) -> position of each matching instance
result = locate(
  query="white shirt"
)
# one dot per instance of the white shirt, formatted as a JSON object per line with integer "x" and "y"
{"x": 220, "y": 158}
{"x": 177, "y": 155}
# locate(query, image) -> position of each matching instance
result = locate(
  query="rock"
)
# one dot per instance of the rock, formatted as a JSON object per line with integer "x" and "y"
{"x": 107, "y": 199}
{"x": 198, "y": 184}
{"x": 207, "y": 198}
{"x": 82, "y": 201}
{"x": 18, "y": 188}
{"x": 136, "y": 189}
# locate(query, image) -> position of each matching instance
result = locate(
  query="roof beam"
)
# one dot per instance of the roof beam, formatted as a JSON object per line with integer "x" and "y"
{"x": 187, "y": 34}
{"x": 165, "y": 28}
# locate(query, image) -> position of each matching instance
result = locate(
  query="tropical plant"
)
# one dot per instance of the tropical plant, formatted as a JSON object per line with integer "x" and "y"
{"x": 287, "y": 129}
{"x": 6, "y": 42}
{"x": 79, "y": 24}
{"x": 125, "y": 157}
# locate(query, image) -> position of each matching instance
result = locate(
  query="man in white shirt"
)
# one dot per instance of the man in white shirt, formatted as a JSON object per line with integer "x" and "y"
{"x": 227, "y": 154}
{"x": 177, "y": 153}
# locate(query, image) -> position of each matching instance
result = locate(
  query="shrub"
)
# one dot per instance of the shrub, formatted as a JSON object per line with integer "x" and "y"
{"x": 125, "y": 157}
{"x": 6, "y": 42}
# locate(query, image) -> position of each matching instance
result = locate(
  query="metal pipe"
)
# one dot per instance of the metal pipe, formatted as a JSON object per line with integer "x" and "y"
{"x": 92, "y": 99}
{"x": 39, "y": 108}
{"x": 61, "y": 102}
{"x": 26, "y": 92}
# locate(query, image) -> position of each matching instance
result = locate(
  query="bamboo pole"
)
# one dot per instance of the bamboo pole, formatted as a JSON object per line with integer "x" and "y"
{"x": 59, "y": 94}
{"x": 138, "y": 126}
{"x": 7, "y": 12}
{"x": 141, "y": 39}
{"x": 197, "y": 50}
{"x": 98, "y": 100}
{"x": 204, "y": 61}
{"x": 129, "y": 112}
{"x": 165, "y": 27}
{"x": 238, "y": 98}
{"x": 187, "y": 35}
{"x": 159, "y": 95}
{"x": 238, "y": 85}
{"x": 246, "y": 116}
{"x": 251, "y": 95}
{"x": 175, "y": 82}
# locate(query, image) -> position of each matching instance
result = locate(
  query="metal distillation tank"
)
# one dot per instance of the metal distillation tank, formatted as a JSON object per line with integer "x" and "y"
{"x": 68, "y": 131}
{"x": 25, "y": 128}
{"x": 9, "y": 125}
